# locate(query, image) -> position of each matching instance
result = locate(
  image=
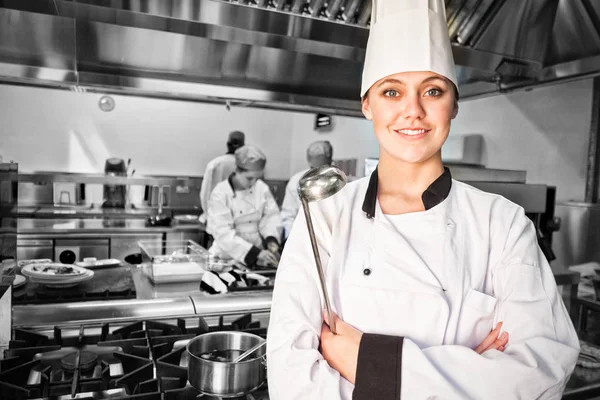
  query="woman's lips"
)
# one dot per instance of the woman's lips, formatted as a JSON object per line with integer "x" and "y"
{"x": 412, "y": 132}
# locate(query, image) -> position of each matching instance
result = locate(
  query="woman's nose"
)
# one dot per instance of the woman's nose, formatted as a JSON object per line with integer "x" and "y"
{"x": 413, "y": 109}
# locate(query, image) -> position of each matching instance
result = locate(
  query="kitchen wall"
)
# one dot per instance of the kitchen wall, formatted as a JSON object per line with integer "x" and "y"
{"x": 543, "y": 131}
{"x": 46, "y": 129}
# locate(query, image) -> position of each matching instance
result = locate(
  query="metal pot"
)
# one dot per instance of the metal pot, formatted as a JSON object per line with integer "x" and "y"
{"x": 226, "y": 379}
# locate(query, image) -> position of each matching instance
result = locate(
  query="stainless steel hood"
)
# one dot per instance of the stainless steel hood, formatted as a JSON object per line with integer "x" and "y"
{"x": 301, "y": 55}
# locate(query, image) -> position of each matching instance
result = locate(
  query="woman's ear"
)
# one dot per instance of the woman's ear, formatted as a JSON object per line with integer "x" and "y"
{"x": 366, "y": 107}
{"x": 455, "y": 110}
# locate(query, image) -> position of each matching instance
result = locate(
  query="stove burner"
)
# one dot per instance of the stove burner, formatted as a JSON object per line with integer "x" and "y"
{"x": 87, "y": 361}
{"x": 143, "y": 360}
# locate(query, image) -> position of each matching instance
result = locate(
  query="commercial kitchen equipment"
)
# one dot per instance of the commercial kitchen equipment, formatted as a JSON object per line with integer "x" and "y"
{"x": 8, "y": 245}
{"x": 115, "y": 196}
{"x": 142, "y": 359}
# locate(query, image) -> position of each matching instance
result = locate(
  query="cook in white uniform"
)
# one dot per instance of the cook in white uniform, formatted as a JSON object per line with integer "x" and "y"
{"x": 219, "y": 169}
{"x": 317, "y": 154}
{"x": 420, "y": 268}
{"x": 243, "y": 216}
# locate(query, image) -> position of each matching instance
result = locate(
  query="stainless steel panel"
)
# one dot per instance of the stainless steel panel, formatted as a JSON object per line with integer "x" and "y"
{"x": 228, "y": 21}
{"x": 37, "y": 47}
{"x": 571, "y": 70}
{"x": 51, "y": 177}
{"x": 531, "y": 197}
{"x": 94, "y": 311}
{"x": 33, "y": 193}
{"x": 5, "y": 317}
{"x": 232, "y": 303}
{"x": 574, "y": 34}
{"x": 479, "y": 174}
{"x": 8, "y": 245}
{"x": 98, "y": 248}
{"x": 523, "y": 26}
{"x": 280, "y": 54}
{"x": 28, "y": 249}
{"x": 577, "y": 240}
{"x": 229, "y": 64}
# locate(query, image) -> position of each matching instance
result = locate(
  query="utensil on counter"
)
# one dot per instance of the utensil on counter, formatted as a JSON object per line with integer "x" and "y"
{"x": 93, "y": 263}
{"x": 225, "y": 378}
{"x": 318, "y": 184}
{"x": 249, "y": 352}
{"x": 75, "y": 383}
{"x": 160, "y": 219}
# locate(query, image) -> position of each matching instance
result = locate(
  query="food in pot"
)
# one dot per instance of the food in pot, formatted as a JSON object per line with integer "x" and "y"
{"x": 223, "y": 355}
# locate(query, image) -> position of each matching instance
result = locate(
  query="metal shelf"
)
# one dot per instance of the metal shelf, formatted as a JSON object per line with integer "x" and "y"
{"x": 42, "y": 178}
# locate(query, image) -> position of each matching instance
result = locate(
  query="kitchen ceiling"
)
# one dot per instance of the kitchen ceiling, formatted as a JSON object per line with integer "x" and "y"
{"x": 303, "y": 55}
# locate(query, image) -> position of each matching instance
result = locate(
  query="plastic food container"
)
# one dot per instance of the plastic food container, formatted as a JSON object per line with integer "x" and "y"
{"x": 174, "y": 260}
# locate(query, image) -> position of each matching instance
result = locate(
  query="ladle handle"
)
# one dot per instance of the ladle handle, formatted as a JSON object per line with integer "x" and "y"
{"x": 248, "y": 352}
{"x": 313, "y": 242}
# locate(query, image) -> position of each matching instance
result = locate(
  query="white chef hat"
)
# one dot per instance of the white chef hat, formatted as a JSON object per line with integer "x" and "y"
{"x": 250, "y": 158}
{"x": 407, "y": 35}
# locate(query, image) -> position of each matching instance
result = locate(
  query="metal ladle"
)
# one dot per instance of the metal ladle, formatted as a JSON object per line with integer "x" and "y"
{"x": 248, "y": 352}
{"x": 318, "y": 184}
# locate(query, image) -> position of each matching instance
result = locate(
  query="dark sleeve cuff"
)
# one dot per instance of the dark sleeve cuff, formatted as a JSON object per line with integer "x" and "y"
{"x": 252, "y": 256}
{"x": 378, "y": 373}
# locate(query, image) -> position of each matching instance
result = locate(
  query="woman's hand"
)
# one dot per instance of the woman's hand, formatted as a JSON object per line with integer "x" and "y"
{"x": 493, "y": 341}
{"x": 341, "y": 350}
{"x": 266, "y": 258}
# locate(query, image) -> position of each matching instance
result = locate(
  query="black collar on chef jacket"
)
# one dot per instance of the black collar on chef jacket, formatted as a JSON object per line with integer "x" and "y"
{"x": 434, "y": 195}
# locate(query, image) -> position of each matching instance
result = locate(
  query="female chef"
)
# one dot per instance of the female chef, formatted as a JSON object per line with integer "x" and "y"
{"x": 243, "y": 216}
{"x": 419, "y": 267}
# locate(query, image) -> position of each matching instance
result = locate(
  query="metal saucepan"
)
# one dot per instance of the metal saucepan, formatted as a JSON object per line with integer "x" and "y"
{"x": 222, "y": 378}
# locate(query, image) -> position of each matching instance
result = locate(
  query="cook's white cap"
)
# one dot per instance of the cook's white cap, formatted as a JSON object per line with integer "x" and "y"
{"x": 250, "y": 158}
{"x": 407, "y": 35}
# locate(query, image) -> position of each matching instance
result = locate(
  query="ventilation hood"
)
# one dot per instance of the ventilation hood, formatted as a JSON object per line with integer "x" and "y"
{"x": 303, "y": 55}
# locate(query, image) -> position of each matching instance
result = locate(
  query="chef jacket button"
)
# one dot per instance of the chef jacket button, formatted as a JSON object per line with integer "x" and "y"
{"x": 367, "y": 271}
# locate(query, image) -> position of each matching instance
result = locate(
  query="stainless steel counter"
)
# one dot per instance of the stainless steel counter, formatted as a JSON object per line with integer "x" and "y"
{"x": 96, "y": 225}
{"x": 160, "y": 301}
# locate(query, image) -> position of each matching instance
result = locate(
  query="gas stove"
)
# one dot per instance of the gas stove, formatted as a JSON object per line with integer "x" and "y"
{"x": 144, "y": 360}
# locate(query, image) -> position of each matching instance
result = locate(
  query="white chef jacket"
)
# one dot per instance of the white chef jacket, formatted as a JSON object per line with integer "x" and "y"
{"x": 490, "y": 269}
{"x": 217, "y": 170}
{"x": 240, "y": 220}
{"x": 291, "y": 203}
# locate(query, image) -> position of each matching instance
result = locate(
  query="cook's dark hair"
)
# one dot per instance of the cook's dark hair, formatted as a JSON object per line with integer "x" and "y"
{"x": 233, "y": 145}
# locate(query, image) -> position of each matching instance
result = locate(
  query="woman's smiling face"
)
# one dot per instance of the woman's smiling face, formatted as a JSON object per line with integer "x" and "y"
{"x": 411, "y": 114}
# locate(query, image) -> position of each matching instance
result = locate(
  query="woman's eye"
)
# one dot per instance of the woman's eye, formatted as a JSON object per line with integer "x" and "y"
{"x": 391, "y": 93}
{"x": 434, "y": 92}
